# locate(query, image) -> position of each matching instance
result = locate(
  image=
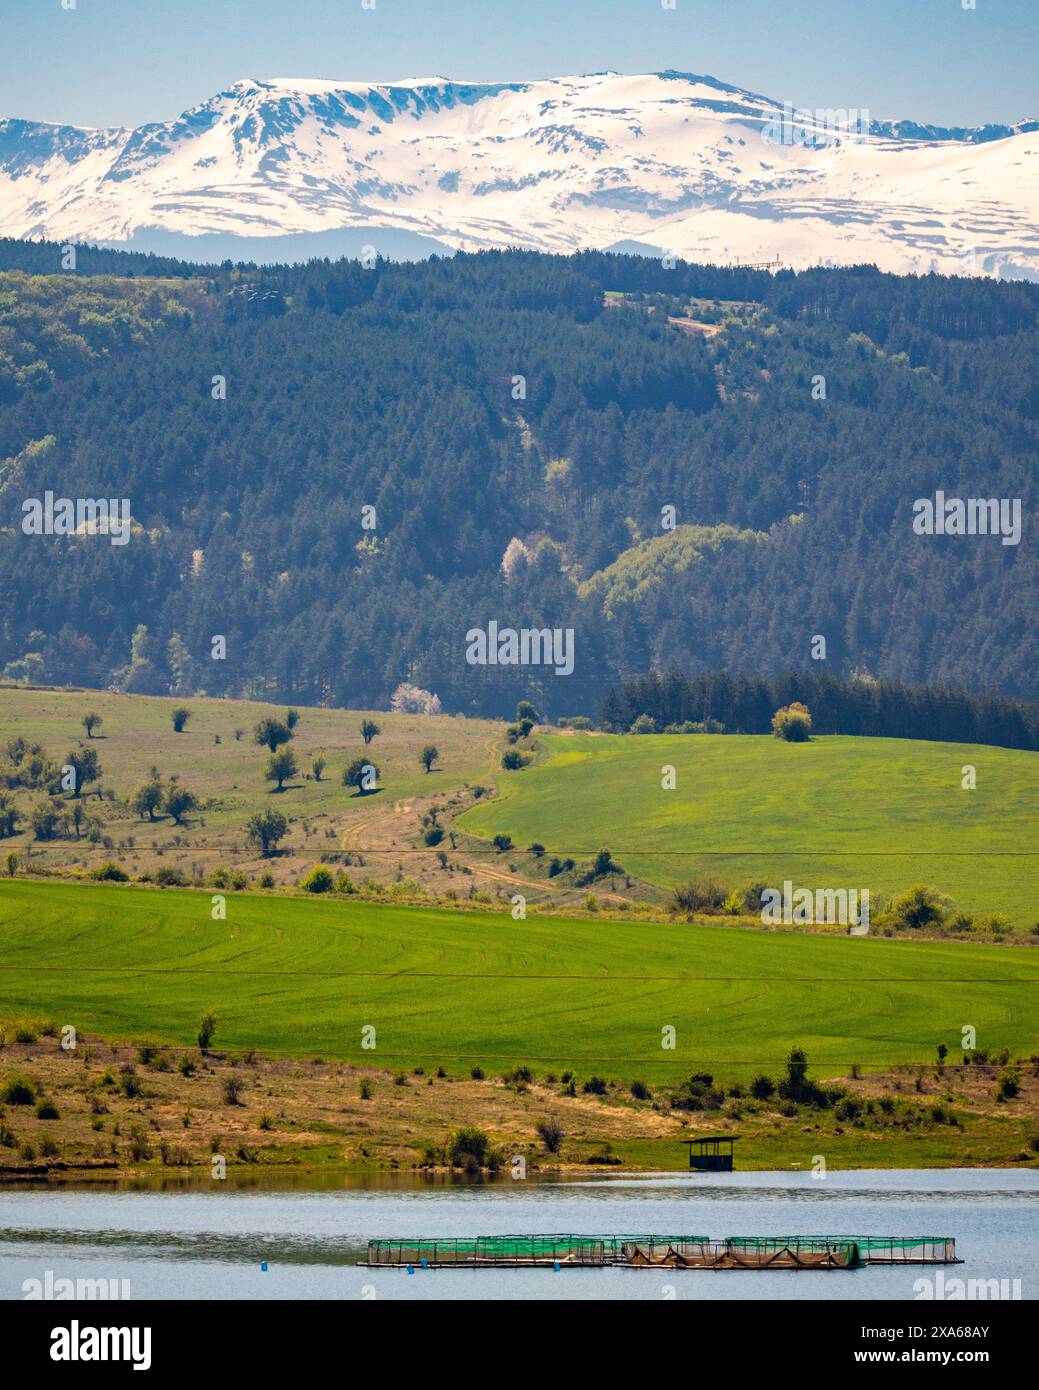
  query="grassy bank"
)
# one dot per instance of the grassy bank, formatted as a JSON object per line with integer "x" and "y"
{"x": 118, "y": 1111}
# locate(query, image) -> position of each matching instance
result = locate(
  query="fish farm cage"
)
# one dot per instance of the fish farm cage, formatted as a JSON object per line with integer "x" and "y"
{"x": 869, "y": 1250}
{"x": 659, "y": 1252}
{"x": 588, "y": 1252}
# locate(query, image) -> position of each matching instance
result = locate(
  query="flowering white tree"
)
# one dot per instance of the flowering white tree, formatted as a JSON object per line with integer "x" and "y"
{"x": 515, "y": 553}
{"x": 412, "y": 699}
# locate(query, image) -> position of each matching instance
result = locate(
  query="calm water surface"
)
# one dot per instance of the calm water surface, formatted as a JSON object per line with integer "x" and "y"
{"x": 205, "y": 1244}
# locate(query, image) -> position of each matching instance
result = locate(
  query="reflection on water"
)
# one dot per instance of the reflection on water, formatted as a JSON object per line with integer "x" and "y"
{"x": 213, "y": 1244}
{"x": 270, "y": 1180}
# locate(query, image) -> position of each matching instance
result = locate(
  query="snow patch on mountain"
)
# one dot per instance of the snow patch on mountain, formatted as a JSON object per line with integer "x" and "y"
{"x": 679, "y": 161}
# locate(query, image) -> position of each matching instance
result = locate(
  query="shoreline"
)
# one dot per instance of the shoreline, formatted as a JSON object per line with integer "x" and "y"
{"x": 125, "y": 1114}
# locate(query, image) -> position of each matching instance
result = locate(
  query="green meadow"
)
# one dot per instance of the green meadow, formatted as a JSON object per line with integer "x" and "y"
{"x": 304, "y": 977}
{"x": 874, "y": 813}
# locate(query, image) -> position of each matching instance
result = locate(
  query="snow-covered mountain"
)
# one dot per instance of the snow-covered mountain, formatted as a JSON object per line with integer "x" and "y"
{"x": 686, "y": 164}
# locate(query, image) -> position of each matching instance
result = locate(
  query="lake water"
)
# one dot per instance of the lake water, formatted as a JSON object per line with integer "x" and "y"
{"x": 211, "y": 1244}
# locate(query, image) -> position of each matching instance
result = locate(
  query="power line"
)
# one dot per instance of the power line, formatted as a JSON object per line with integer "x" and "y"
{"x": 725, "y": 853}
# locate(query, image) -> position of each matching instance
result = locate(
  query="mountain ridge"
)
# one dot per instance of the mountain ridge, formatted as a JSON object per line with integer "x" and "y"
{"x": 684, "y": 162}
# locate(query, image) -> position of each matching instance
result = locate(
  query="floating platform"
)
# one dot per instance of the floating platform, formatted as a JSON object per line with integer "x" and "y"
{"x": 869, "y": 1250}
{"x": 588, "y": 1252}
{"x": 660, "y": 1252}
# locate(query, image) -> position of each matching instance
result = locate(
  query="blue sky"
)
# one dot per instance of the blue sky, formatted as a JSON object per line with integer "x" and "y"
{"x": 124, "y": 62}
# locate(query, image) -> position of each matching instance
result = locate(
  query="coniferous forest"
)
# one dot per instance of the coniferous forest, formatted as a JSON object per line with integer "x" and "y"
{"x": 724, "y": 703}
{"x": 340, "y": 470}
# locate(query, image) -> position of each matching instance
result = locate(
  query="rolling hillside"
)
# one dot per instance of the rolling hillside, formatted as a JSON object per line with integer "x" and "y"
{"x": 226, "y": 774}
{"x": 837, "y": 812}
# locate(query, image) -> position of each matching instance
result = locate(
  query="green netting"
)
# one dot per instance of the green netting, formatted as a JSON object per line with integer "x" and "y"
{"x": 863, "y": 1242}
{"x": 615, "y": 1242}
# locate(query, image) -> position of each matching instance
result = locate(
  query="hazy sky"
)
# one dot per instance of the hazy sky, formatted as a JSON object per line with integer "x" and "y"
{"x": 124, "y": 62}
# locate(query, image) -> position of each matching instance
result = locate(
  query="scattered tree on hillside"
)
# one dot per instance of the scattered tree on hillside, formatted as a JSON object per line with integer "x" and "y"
{"x": 266, "y": 829}
{"x": 428, "y": 756}
{"x": 281, "y": 766}
{"x": 796, "y": 1070}
{"x": 919, "y": 906}
{"x": 551, "y": 1135}
{"x": 178, "y": 802}
{"x": 86, "y": 768}
{"x": 9, "y": 816}
{"x": 369, "y": 730}
{"x": 48, "y": 819}
{"x": 271, "y": 734}
{"x": 147, "y": 798}
{"x": 703, "y": 894}
{"x": 27, "y": 766}
{"x": 796, "y": 1086}
{"x": 361, "y": 774}
{"x": 792, "y": 723}
{"x": 180, "y": 717}
{"x": 90, "y": 722}
{"x": 318, "y": 880}
{"x": 470, "y": 1148}
{"x": 601, "y": 866}
{"x": 318, "y": 766}
{"x": 206, "y": 1030}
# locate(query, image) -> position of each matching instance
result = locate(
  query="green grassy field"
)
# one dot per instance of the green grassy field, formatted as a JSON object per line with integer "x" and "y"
{"x": 305, "y": 977}
{"x": 836, "y": 812}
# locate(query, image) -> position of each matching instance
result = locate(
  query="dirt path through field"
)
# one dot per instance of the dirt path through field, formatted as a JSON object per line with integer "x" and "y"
{"x": 377, "y": 835}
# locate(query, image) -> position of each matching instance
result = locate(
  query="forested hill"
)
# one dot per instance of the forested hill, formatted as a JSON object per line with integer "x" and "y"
{"x": 555, "y": 408}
